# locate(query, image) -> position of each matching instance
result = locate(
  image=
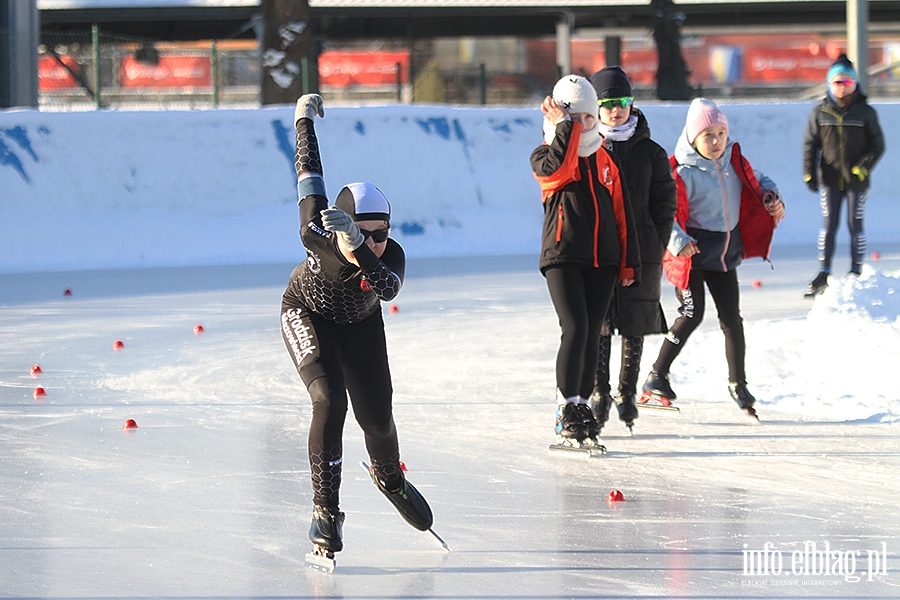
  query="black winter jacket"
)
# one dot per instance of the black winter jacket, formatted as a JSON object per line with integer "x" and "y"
{"x": 838, "y": 139}
{"x": 635, "y": 310}
{"x": 587, "y": 216}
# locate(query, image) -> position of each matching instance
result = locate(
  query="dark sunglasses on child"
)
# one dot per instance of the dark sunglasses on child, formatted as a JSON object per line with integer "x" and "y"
{"x": 379, "y": 235}
{"x": 611, "y": 103}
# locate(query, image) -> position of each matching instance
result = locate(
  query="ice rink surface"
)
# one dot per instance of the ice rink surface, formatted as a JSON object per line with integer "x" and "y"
{"x": 210, "y": 495}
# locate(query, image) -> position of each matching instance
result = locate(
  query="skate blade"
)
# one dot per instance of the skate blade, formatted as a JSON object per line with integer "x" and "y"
{"x": 586, "y": 449}
{"x": 319, "y": 560}
{"x": 440, "y": 540}
{"x": 654, "y": 402}
{"x": 751, "y": 415}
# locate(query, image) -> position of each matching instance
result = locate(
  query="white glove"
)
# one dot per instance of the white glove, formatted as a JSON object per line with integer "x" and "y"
{"x": 308, "y": 107}
{"x": 339, "y": 222}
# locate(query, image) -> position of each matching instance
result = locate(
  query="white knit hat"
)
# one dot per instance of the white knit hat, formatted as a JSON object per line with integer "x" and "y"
{"x": 703, "y": 113}
{"x": 577, "y": 95}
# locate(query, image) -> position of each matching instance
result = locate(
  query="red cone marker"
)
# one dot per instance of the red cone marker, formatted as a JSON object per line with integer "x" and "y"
{"x": 68, "y": 292}
{"x": 756, "y": 284}
{"x": 393, "y": 308}
{"x": 118, "y": 345}
{"x": 36, "y": 370}
{"x": 198, "y": 329}
{"x": 615, "y": 496}
{"x": 130, "y": 424}
{"x": 39, "y": 392}
{"x": 876, "y": 255}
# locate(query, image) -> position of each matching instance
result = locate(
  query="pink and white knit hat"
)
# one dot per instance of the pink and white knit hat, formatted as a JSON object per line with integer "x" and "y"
{"x": 703, "y": 113}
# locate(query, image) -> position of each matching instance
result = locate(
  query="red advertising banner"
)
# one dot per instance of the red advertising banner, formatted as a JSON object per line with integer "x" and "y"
{"x": 784, "y": 64}
{"x": 344, "y": 69}
{"x": 171, "y": 71}
{"x": 53, "y": 76}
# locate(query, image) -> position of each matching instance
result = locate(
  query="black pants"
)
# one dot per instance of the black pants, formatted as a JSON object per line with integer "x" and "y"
{"x": 581, "y": 297}
{"x": 831, "y": 200}
{"x": 723, "y": 287}
{"x": 334, "y": 359}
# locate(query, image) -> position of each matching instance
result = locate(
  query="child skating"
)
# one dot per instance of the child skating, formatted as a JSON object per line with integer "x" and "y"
{"x": 726, "y": 212}
{"x": 332, "y": 326}
{"x": 589, "y": 244}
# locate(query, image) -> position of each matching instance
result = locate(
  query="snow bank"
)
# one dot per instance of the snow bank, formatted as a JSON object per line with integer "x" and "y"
{"x": 139, "y": 189}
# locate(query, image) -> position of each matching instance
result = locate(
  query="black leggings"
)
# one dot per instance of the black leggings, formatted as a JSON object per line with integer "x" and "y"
{"x": 581, "y": 297}
{"x": 725, "y": 292}
{"x": 831, "y": 200}
{"x": 334, "y": 359}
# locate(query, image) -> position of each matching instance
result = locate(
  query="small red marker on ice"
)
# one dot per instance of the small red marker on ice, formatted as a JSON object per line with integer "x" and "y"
{"x": 393, "y": 308}
{"x": 36, "y": 370}
{"x": 403, "y": 466}
{"x": 198, "y": 329}
{"x": 130, "y": 424}
{"x": 118, "y": 345}
{"x": 38, "y": 392}
{"x": 756, "y": 284}
{"x": 876, "y": 255}
{"x": 615, "y": 496}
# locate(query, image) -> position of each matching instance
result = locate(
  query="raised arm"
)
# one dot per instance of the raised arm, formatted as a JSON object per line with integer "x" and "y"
{"x": 308, "y": 163}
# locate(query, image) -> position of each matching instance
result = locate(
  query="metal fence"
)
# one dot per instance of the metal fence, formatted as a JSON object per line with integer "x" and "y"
{"x": 89, "y": 70}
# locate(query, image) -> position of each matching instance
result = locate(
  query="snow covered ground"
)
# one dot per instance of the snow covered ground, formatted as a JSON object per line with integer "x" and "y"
{"x": 210, "y": 496}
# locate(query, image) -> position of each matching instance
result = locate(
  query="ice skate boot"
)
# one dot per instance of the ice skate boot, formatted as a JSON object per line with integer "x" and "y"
{"x": 325, "y": 532}
{"x": 600, "y": 405}
{"x": 657, "y": 390}
{"x": 743, "y": 397}
{"x": 591, "y": 426}
{"x": 817, "y": 285}
{"x": 570, "y": 427}
{"x": 628, "y": 410}
{"x": 407, "y": 500}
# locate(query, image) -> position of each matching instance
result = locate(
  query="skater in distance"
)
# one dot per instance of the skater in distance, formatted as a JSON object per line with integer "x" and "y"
{"x": 635, "y": 311}
{"x": 332, "y": 326}
{"x": 841, "y": 145}
{"x": 726, "y": 212}
{"x": 588, "y": 246}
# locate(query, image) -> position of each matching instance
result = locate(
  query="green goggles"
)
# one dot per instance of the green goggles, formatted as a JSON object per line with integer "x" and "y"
{"x": 611, "y": 103}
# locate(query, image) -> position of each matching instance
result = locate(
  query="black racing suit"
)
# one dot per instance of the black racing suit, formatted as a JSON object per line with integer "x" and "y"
{"x": 332, "y": 326}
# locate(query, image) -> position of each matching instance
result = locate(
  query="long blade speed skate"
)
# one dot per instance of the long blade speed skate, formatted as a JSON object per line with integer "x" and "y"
{"x": 657, "y": 394}
{"x": 326, "y": 534}
{"x": 744, "y": 399}
{"x": 410, "y": 504}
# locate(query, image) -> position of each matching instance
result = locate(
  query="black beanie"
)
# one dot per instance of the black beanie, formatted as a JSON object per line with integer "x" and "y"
{"x": 611, "y": 82}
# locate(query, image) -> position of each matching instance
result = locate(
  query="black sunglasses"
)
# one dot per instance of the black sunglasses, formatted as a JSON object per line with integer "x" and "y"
{"x": 378, "y": 235}
{"x": 611, "y": 103}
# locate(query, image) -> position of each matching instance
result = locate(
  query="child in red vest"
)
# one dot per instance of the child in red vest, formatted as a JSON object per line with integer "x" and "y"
{"x": 726, "y": 212}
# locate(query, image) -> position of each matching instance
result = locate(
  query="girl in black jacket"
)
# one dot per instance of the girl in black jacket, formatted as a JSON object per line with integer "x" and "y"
{"x": 634, "y": 311}
{"x": 589, "y": 243}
